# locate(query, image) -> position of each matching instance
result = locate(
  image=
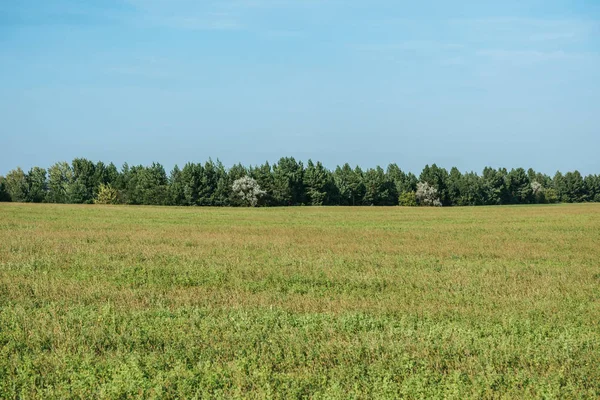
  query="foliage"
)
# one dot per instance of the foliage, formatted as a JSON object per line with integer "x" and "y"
{"x": 519, "y": 187}
{"x": 288, "y": 182}
{"x": 16, "y": 185}
{"x": 36, "y": 185}
{"x": 248, "y": 191}
{"x": 436, "y": 178}
{"x": 550, "y": 196}
{"x": 4, "y": 195}
{"x": 288, "y": 188}
{"x": 60, "y": 177}
{"x": 407, "y": 199}
{"x": 427, "y": 195}
{"x": 106, "y": 195}
{"x": 84, "y": 181}
{"x": 494, "y": 186}
{"x": 350, "y": 185}
{"x": 318, "y": 183}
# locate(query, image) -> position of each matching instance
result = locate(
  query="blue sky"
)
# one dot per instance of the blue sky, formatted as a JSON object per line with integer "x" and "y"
{"x": 462, "y": 83}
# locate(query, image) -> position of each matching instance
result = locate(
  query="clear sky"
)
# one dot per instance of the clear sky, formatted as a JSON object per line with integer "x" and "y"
{"x": 458, "y": 83}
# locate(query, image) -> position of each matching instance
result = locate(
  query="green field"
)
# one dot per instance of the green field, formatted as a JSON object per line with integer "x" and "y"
{"x": 128, "y": 302}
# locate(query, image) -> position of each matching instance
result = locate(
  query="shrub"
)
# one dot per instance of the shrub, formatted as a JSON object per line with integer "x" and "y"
{"x": 551, "y": 196}
{"x": 407, "y": 199}
{"x": 106, "y": 195}
{"x": 427, "y": 195}
{"x": 248, "y": 191}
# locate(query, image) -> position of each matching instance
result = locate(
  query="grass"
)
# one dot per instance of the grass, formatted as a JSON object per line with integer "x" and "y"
{"x": 128, "y": 302}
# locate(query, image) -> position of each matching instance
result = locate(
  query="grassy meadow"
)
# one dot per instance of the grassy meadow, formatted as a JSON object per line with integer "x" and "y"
{"x": 149, "y": 302}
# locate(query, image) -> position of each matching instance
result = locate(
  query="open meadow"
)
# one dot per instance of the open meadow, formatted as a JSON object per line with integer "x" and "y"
{"x": 304, "y": 302}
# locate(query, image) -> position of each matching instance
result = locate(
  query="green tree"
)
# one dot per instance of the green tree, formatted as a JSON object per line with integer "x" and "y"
{"x": 378, "y": 190}
{"x": 519, "y": 187}
{"x": 574, "y": 186}
{"x": 341, "y": 179}
{"x": 559, "y": 186}
{"x": 223, "y": 190}
{"x": 60, "y": 177}
{"x": 592, "y": 187}
{"x": 176, "y": 193}
{"x": 104, "y": 175}
{"x": 266, "y": 180}
{"x": 494, "y": 186}
{"x": 4, "y": 195}
{"x": 472, "y": 191}
{"x": 319, "y": 183}
{"x": 288, "y": 187}
{"x": 124, "y": 184}
{"x": 403, "y": 182}
{"x": 349, "y": 185}
{"x": 208, "y": 184}
{"x": 236, "y": 172}
{"x": 36, "y": 185}
{"x": 16, "y": 185}
{"x": 437, "y": 178}
{"x": 84, "y": 181}
{"x": 151, "y": 187}
{"x": 190, "y": 177}
{"x": 456, "y": 188}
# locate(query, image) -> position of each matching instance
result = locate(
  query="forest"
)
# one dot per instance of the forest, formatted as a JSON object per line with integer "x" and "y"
{"x": 291, "y": 183}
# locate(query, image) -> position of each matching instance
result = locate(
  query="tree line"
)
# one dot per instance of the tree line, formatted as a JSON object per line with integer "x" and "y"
{"x": 289, "y": 182}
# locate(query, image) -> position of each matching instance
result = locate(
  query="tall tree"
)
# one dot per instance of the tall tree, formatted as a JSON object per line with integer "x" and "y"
{"x": 379, "y": 191}
{"x": 4, "y": 195}
{"x": 403, "y": 182}
{"x": 437, "y": 178}
{"x": 84, "y": 181}
{"x": 559, "y": 186}
{"x": 36, "y": 185}
{"x": 494, "y": 186}
{"x": 176, "y": 192}
{"x": 575, "y": 189}
{"x": 472, "y": 192}
{"x": 247, "y": 190}
{"x": 519, "y": 187}
{"x": 236, "y": 172}
{"x": 592, "y": 185}
{"x": 342, "y": 178}
{"x": 152, "y": 185}
{"x": 263, "y": 175}
{"x": 319, "y": 184}
{"x": 349, "y": 185}
{"x": 191, "y": 174}
{"x": 104, "y": 175}
{"x": 208, "y": 184}
{"x": 223, "y": 190}
{"x": 60, "y": 177}
{"x": 456, "y": 188}
{"x": 132, "y": 191}
{"x": 16, "y": 185}
{"x": 288, "y": 182}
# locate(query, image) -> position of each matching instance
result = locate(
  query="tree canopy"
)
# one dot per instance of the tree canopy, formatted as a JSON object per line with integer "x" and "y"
{"x": 290, "y": 182}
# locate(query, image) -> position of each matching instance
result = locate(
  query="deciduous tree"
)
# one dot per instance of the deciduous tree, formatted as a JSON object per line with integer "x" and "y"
{"x": 248, "y": 191}
{"x": 16, "y": 185}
